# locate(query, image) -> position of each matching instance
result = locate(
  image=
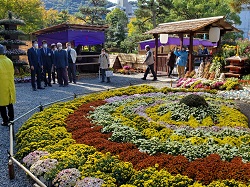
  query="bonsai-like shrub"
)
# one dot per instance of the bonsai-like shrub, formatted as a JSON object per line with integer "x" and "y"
{"x": 194, "y": 100}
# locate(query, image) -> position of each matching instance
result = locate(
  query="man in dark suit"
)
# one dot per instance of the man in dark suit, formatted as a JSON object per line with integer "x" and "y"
{"x": 46, "y": 59}
{"x": 34, "y": 58}
{"x": 61, "y": 65}
{"x": 53, "y": 71}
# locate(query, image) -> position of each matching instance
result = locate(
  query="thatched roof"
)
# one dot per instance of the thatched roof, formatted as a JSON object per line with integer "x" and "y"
{"x": 195, "y": 25}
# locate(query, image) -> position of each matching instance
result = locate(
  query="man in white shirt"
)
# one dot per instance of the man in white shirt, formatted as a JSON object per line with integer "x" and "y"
{"x": 72, "y": 63}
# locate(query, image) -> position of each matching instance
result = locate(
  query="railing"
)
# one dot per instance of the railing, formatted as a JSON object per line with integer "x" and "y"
{"x": 12, "y": 160}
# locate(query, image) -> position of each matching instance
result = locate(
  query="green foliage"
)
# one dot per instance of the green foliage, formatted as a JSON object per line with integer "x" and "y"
{"x": 63, "y": 17}
{"x": 152, "y": 11}
{"x": 94, "y": 12}
{"x": 194, "y": 100}
{"x": 182, "y": 112}
{"x": 31, "y": 13}
{"x": 117, "y": 21}
{"x": 246, "y": 77}
{"x": 194, "y": 9}
{"x": 237, "y": 4}
{"x": 130, "y": 44}
{"x": 72, "y": 6}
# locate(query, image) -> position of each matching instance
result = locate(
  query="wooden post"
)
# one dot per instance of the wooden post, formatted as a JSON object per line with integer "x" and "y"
{"x": 181, "y": 40}
{"x": 222, "y": 32}
{"x": 156, "y": 52}
{"x": 190, "y": 55}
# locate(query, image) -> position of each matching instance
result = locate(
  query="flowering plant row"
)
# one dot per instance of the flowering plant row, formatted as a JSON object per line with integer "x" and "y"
{"x": 193, "y": 83}
{"x": 106, "y": 169}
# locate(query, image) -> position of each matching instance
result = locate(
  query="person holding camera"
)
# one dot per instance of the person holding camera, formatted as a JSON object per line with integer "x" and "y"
{"x": 104, "y": 65}
{"x": 181, "y": 61}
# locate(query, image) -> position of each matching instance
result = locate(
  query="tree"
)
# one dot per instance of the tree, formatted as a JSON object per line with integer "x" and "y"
{"x": 135, "y": 34}
{"x": 30, "y": 12}
{"x": 152, "y": 11}
{"x": 194, "y": 9}
{"x": 130, "y": 44}
{"x": 50, "y": 17}
{"x": 63, "y": 17}
{"x": 237, "y": 4}
{"x": 117, "y": 21}
{"x": 94, "y": 12}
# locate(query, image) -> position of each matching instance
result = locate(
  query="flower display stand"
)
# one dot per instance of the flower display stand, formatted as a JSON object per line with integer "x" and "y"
{"x": 236, "y": 66}
{"x": 10, "y": 34}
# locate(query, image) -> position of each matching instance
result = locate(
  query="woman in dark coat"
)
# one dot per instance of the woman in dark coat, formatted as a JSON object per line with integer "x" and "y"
{"x": 171, "y": 62}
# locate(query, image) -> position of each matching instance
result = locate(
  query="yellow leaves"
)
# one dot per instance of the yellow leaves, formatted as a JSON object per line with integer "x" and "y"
{"x": 208, "y": 122}
{"x": 196, "y": 140}
{"x": 192, "y": 122}
{"x": 150, "y": 133}
{"x": 162, "y": 178}
{"x": 175, "y": 137}
{"x": 131, "y": 28}
{"x": 245, "y": 139}
{"x": 231, "y": 117}
{"x": 166, "y": 117}
{"x": 231, "y": 141}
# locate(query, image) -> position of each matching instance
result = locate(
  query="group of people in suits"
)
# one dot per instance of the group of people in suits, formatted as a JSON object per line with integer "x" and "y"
{"x": 45, "y": 63}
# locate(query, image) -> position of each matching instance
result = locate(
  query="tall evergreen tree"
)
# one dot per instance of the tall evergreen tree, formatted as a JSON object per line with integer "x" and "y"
{"x": 194, "y": 9}
{"x": 94, "y": 12}
{"x": 117, "y": 21}
{"x": 152, "y": 11}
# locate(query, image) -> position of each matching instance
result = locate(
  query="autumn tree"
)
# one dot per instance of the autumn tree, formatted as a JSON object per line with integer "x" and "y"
{"x": 94, "y": 12}
{"x": 50, "y": 17}
{"x": 30, "y": 12}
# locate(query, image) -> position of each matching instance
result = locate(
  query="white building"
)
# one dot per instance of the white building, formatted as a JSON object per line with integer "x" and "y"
{"x": 245, "y": 20}
{"x": 126, "y": 6}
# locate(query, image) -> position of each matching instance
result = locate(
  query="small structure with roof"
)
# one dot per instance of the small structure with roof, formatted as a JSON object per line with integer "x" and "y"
{"x": 78, "y": 35}
{"x": 191, "y": 28}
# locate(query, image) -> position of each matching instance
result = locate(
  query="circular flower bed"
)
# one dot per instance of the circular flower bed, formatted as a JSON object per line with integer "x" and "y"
{"x": 139, "y": 136}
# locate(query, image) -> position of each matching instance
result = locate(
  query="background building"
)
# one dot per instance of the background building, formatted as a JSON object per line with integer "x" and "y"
{"x": 127, "y": 7}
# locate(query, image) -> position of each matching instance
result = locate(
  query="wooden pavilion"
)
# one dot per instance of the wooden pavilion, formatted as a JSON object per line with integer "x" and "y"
{"x": 191, "y": 28}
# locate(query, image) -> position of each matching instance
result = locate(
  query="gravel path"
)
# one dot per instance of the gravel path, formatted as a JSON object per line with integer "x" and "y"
{"x": 28, "y": 99}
